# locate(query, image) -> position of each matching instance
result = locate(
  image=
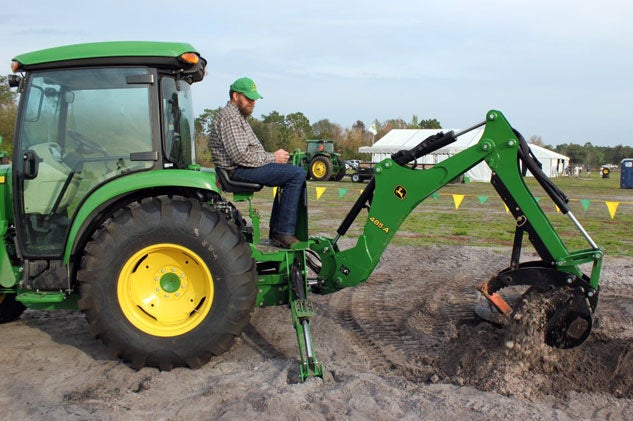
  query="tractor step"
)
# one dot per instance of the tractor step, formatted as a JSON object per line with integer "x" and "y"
{"x": 41, "y": 297}
{"x": 48, "y": 300}
{"x": 265, "y": 247}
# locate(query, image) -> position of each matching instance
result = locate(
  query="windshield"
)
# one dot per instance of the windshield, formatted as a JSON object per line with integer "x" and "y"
{"x": 79, "y": 128}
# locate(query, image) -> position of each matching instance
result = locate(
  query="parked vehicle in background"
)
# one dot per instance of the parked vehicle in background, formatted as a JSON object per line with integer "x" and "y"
{"x": 364, "y": 171}
{"x": 352, "y": 164}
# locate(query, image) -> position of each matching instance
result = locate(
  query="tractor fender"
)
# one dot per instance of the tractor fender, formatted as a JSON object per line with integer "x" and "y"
{"x": 8, "y": 276}
{"x": 6, "y": 196}
{"x": 159, "y": 182}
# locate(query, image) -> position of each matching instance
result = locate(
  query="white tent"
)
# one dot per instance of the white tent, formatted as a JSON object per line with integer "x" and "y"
{"x": 398, "y": 139}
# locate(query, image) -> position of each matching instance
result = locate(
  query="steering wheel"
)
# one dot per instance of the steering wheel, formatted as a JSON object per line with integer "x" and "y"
{"x": 84, "y": 145}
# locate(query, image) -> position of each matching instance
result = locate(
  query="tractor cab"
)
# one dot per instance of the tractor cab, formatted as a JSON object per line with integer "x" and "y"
{"x": 320, "y": 147}
{"x": 86, "y": 119}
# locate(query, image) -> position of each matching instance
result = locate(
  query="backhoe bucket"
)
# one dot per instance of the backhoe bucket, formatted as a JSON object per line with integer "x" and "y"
{"x": 568, "y": 309}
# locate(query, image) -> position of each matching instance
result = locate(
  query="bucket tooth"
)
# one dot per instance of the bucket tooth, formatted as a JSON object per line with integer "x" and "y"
{"x": 496, "y": 300}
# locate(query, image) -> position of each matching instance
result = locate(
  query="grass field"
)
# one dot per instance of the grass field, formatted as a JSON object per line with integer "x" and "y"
{"x": 481, "y": 218}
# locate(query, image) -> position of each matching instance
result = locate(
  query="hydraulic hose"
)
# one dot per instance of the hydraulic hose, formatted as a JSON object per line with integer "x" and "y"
{"x": 428, "y": 145}
{"x": 403, "y": 157}
{"x": 534, "y": 166}
{"x": 362, "y": 201}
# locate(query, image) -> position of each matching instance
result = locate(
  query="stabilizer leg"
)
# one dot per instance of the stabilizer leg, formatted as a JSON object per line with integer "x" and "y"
{"x": 302, "y": 310}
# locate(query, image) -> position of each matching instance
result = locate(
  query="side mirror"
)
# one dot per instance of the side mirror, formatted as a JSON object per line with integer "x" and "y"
{"x": 14, "y": 81}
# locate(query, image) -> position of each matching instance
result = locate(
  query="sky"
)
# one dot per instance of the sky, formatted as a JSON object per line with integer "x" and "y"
{"x": 560, "y": 70}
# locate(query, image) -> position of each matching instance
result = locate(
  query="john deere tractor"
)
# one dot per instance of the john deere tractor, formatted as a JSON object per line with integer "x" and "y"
{"x": 104, "y": 210}
{"x": 320, "y": 161}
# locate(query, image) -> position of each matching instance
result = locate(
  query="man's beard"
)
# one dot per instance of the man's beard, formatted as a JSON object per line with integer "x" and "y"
{"x": 245, "y": 110}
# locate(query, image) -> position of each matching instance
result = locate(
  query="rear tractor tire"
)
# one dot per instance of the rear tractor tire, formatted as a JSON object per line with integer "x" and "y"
{"x": 167, "y": 282}
{"x": 341, "y": 170}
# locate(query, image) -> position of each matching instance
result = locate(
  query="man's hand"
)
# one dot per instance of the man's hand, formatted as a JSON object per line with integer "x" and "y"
{"x": 281, "y": 156}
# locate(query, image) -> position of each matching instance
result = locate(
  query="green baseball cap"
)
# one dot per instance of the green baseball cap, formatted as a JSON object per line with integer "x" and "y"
{"x": 247, "y": 87}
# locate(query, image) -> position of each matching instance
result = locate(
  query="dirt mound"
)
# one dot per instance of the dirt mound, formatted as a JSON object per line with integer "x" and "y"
{"x": 431, "y": 334}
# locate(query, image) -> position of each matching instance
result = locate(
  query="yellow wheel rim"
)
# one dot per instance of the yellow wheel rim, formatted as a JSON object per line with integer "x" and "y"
{"x": 319, "y": 169}
{"x": 165, "y": 290}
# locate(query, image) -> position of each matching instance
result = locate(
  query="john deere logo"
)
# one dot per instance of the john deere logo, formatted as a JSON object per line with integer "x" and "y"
{"x": 400, "y": 192}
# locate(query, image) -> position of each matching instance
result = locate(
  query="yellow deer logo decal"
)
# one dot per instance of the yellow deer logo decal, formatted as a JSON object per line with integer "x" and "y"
{"x": 400, "y": 192}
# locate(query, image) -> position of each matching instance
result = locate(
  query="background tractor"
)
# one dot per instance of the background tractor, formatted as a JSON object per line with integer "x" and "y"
{"x": 105, "y": 210}
{"x": 320, "y": 161}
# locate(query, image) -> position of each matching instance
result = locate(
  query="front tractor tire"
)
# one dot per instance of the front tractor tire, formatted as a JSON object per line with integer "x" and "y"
{"x": 10, "y": 309}
{"x": 320, "y": 168}
{"x": 167, "y": 282}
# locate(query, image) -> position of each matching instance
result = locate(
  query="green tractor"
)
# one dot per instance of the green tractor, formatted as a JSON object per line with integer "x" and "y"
{"x": 320, "y": 161}
{"x": 105, "y": 210}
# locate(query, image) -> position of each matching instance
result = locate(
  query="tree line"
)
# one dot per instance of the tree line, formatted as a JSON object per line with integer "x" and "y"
{"x": 290, "y": 132}
{"x": 593, "y": 156}
{"x": 8, "y": 113}
{"x": 588, "y": 155}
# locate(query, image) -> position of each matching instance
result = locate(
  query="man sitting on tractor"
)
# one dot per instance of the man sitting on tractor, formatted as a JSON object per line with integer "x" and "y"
{"x": 235, "y": 147}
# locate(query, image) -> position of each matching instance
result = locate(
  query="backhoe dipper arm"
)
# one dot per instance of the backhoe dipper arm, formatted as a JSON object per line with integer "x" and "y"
{"x": 396, "y": 189}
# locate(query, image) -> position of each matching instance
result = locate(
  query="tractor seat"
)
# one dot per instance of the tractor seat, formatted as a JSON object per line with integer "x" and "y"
{"x": 233, "y": 186}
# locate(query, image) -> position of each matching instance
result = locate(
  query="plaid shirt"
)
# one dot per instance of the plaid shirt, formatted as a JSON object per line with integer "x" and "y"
{"x": 233, "y": 143}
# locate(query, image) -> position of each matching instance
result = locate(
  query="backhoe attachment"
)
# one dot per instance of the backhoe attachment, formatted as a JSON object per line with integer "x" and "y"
{"x": 398, "y": 187}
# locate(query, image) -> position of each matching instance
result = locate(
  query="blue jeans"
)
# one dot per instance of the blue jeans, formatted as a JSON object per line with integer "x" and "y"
{"x": 291, "y": 181}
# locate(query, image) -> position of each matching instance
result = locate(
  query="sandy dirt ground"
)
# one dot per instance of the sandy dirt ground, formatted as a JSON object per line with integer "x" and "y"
{"x": 404, "y": 345}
